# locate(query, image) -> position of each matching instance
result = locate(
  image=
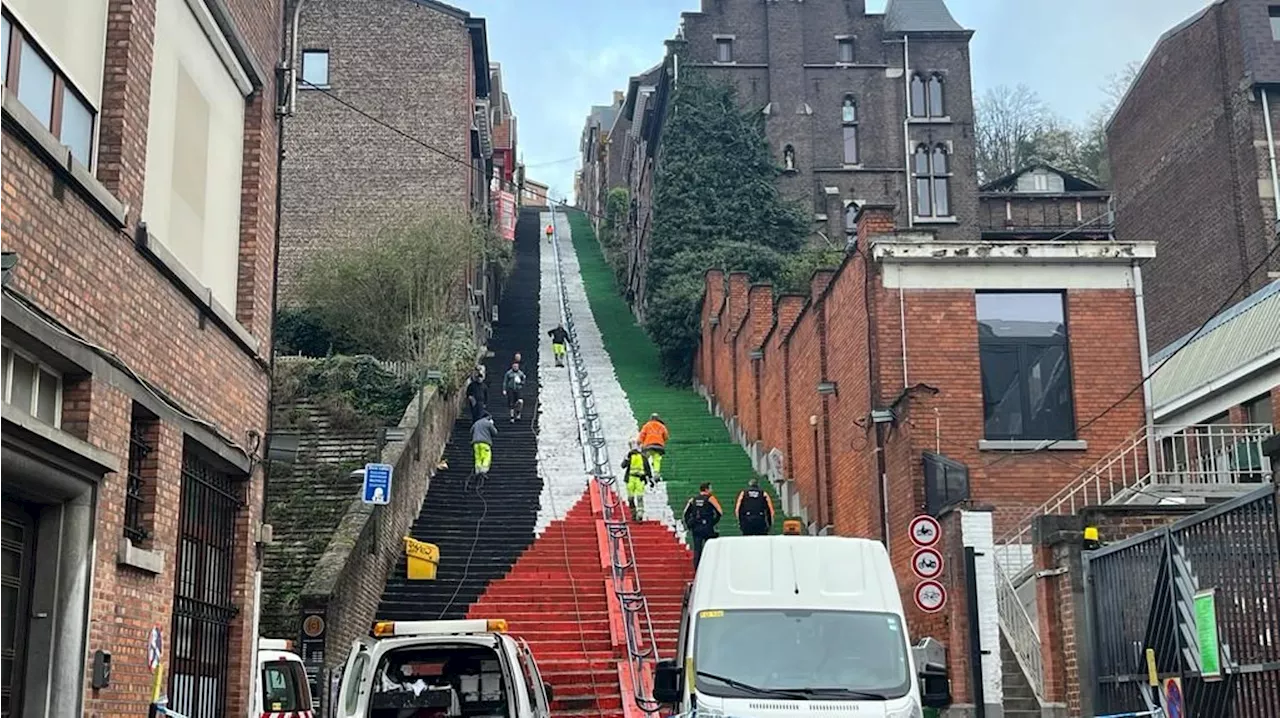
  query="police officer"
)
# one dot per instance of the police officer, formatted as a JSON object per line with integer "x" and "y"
{"x": 754, "y": 509}
{"x": 701, "y": 514}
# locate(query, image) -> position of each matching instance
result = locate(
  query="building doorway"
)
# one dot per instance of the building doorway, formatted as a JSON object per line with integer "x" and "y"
{"x": 17, "y": 553}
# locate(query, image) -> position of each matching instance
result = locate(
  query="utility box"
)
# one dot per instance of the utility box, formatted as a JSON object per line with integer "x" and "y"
{"x": 931, "y": 667}
{"x": 422, "y": 558}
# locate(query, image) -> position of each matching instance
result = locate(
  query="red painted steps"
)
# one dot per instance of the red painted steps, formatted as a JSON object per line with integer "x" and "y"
{"x": 555, "y": 598}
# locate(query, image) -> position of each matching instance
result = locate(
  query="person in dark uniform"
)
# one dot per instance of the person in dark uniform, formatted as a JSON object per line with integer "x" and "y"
{"x": 477, "y": 395}
{"x": 701, "y": 514}
{"x": 754, "y": 510}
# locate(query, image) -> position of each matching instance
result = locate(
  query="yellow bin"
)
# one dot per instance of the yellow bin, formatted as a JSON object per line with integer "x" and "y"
{"x": 423, "y": 557}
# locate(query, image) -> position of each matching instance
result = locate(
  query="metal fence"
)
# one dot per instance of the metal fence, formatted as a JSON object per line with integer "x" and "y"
{"x": 203, "y": 605}
{"x": 1141, "y": 594}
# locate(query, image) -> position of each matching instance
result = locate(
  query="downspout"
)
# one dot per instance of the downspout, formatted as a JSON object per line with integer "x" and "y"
{"x": 902, "y": 324}
{"x": 883, "y": 474}
{"x": 1271, "y": 152}
{"x": 1144, "y": 355}
{"x": 906, "y": 127}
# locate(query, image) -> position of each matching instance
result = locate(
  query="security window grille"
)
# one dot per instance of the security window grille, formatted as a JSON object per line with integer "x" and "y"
{"x": 139, "y": 450}
{"x": 1026, "y": 375}
{"x": 202, "y": 606}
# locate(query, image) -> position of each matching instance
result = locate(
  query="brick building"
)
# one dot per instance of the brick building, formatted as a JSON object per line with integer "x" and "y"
{"x": 634, "y": 149}
{"x": 921, "y": 357}
{"x": 137, "y": 321}
{"x": 421, "y": 67}
{"x": 503, "y": 121}
{"x": 592, "y": 183}
{"x": 534, "y": 193}
{"x": 1193, "y": 155}
{"x": 1043, "y": 202}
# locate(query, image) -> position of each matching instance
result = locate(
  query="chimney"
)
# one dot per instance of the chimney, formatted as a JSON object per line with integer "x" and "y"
{"x": 619, "y": 97}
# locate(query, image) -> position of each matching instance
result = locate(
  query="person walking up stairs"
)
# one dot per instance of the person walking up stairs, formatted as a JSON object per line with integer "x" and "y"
{"x": 653, "y": 440}
{"x": 482, "y": 433}
{"x": 639, "y": 478}
{"x": 512, "y": 385}
{"x": 559, "y": 340}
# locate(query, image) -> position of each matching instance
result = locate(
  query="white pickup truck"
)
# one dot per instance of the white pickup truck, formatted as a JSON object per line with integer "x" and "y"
{"x": 425, "y": 669}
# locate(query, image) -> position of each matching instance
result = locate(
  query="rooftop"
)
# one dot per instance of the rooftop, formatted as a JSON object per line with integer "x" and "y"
{"x": 919, "y": 16}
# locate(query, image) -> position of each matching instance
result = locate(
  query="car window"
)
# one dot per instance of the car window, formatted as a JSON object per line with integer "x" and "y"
{"x": 351, "y": 691}
{"x": 533, "y": 681}
{"x": 284, "y": 687}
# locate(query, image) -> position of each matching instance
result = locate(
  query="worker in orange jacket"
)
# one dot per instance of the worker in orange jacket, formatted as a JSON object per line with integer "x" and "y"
{"x": 653, "y": 442}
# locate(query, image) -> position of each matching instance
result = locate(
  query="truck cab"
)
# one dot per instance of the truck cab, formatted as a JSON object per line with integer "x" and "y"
{"x": 281, "y": 689}
{"x": 425, "y": 669}
{"x": 774, "y": 622}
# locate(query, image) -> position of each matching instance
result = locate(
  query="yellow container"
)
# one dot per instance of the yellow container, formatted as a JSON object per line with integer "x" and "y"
{"x": 423, "y": 559}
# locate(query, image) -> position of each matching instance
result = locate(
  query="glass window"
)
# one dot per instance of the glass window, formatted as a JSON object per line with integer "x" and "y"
{"x": 77, "y": 126}
{"x": 283, "y": 687}
{"x": 850, "y": 144}
{"x": 1024, "y": 357}
{"x": 47, "y": 398}
{"x": 845, "y": 46}
{"x": 315, "y": 67}
{"x": 812, "y": 654}
{"x": 724, "y": 50}
{"x": 1260, "y": 410}
{"x": 932, "y": 169}
{"x": 936, "y": 108}
{"x": 22, "y": 383}
{"x": 1274, "y": 12}
{"x": 849, "y": 109}
{"x": 35, "y": 84}
{"x": 6, "y": 31}
{"x": 351, "y": 699}
{"x": 918, "y": 104}
{"x": 851, "y": 218}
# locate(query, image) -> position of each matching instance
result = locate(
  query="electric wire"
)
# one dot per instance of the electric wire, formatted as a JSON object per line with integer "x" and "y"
{"x": 1147, "y": 377}
{"x": 475, "y": 541}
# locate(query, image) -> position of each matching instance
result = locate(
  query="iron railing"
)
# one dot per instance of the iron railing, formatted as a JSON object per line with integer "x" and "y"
{"x": 642, "y": 651}
{"x": 139, "y": 449}
{"x": 1192, "y": 458}
{"x": 203, "y": 605}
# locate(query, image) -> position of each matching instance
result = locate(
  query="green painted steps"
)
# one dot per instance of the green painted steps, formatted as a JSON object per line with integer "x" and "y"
{"x": 700, "y": 448}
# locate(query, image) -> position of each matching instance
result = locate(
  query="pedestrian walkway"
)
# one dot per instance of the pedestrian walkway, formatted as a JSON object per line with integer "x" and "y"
{"x": 700, "y": 448}
{"x": 482, "y": 529}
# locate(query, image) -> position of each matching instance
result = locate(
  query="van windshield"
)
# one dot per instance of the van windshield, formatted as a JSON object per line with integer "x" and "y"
{"x": 834, "y": 655}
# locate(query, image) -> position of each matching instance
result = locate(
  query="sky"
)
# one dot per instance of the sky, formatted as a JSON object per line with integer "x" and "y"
{"x": 560, "y": 57}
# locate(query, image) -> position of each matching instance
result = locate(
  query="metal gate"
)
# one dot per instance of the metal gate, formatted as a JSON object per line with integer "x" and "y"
{"x": 1140, "y": 595}
{"x": 202, "y": 605}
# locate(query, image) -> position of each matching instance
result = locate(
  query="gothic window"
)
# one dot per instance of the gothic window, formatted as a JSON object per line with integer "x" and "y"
{"x": 932, "y": 172}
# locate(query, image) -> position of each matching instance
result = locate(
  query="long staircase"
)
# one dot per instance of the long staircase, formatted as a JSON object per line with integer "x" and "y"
{"x": 555, "y": 599}
{"x": 667, "y": 568}
{"x": 481, "y": 528}
{"x": 1196, "y": 464}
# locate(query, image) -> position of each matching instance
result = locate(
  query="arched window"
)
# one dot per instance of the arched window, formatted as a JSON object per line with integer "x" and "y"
{"x": 849, "y": 129}
{"x": 936, "y": 106}
{"x": 919, "y": 105}
{"x": 932, "y": 168}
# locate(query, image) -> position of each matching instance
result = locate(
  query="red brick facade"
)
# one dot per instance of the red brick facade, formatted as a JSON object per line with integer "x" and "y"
{"x": 101, "y": 310}
{"x": 849, "y": 333}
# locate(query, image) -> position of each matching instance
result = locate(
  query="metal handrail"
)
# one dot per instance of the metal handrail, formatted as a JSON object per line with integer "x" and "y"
{"x": 626, "y": 576}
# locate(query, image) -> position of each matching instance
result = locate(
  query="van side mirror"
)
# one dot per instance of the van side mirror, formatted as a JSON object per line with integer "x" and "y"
{"x": 666, "y": 682}
{"x": 546, "y": 688}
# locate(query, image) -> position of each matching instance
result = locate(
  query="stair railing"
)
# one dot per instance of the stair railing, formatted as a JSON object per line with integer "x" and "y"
{"x": 637, "y": 622}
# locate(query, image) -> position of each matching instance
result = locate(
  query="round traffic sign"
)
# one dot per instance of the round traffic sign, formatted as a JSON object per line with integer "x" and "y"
{"x": 930, "y": 596}
{"x": 927, "y": 563}
{"x": 925, "y": 530}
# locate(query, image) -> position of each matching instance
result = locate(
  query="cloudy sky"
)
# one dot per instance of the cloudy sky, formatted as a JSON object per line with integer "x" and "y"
{"x": 559, "y": 57}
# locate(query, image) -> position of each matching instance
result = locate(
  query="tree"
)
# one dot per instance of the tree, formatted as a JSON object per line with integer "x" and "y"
{"x": 1008, "y": 121}
{"x": 715, "y": 205}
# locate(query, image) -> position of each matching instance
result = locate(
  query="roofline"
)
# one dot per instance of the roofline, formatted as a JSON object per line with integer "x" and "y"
{"x": 1168, "y": 34}
{"x": 1038, "y": 165}
{"x": 1208, "y": 387}
{"x": 1086, "y": 194}
{"x": 479, "y": 52}
{"x": 446, "y": 8}
{"x": 1219, "y": 319}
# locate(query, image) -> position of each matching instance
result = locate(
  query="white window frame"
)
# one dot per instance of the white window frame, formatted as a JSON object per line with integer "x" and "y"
{"x": 302, "y": 67}
{"x": 15, "y": 350}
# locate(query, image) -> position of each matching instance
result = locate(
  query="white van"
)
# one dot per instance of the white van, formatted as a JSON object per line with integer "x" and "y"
{"x": 282, "y": 688}
{"x": 771, "y": 621}
{"x": 420, "y": 669}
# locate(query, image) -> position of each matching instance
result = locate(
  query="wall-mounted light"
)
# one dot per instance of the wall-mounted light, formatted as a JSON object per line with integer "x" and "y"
{"x": 827, "y": 387}
{"x": 883, "y": 416}
{"x": 756, "y": 354}
{"x": 813, "y": 420}
{"x": 284, "y": 447}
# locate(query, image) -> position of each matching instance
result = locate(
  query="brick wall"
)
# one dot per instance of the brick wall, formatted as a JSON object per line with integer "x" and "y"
{"x": 79, "y": 265}
{"x": 1188, "y": 156}
{"x": 346, "y": 177}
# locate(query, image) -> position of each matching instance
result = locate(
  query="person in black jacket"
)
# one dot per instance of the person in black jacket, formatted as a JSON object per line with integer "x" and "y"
{"x": 477, "y": 395}
{"x": 701, "y": 514}
{"x": 754, "y": 509}
{"x": 559, "y": 340}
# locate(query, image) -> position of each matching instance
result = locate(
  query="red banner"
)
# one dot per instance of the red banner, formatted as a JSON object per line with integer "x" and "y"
{"x": 507, "y": 216}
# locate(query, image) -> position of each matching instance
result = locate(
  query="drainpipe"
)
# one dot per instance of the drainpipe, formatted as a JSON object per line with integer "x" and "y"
{"x": 883, "y": 474}
{"x": 906, "y": 127}
{"x": 1271, "y": 151}
{"x": 1139, "y": 304}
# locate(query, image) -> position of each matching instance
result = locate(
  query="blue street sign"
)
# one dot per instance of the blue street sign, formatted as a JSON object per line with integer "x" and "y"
{"x": 377, "y": 484}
